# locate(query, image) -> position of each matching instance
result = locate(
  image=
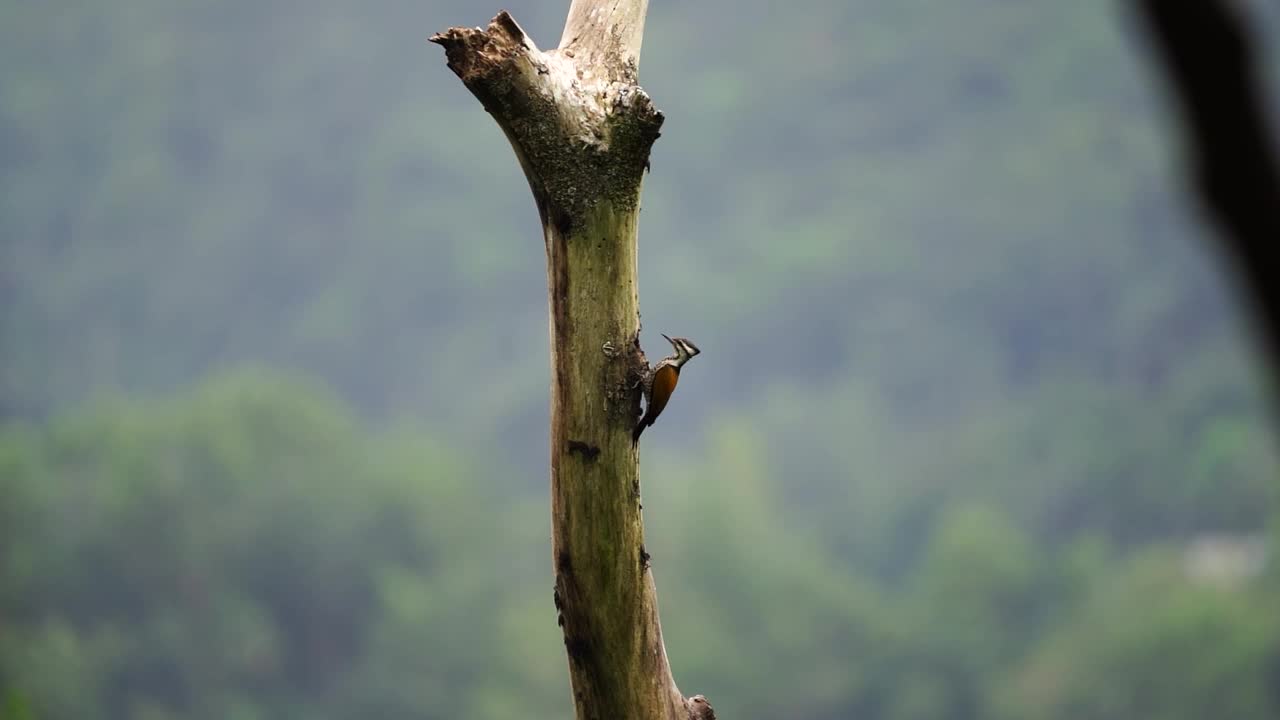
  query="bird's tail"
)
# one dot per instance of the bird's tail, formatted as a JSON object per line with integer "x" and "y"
{"x": 635, "y": 434}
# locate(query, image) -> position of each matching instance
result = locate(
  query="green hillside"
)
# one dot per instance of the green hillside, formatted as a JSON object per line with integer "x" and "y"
{"x": 974, "y": 387}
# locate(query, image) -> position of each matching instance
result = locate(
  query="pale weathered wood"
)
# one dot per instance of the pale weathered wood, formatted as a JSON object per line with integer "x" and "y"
{"x": 605, "y": 36}
{"x": 582, "y": 129}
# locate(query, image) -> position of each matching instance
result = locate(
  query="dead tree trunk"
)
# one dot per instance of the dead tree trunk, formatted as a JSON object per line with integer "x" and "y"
{"x": 582, "y": 128}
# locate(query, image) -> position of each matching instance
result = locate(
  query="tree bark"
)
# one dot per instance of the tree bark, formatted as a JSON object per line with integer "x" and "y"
{"x": 582, "y": 129}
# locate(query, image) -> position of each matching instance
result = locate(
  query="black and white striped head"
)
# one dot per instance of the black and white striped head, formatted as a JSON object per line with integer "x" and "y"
{"x": 684, "y": 349}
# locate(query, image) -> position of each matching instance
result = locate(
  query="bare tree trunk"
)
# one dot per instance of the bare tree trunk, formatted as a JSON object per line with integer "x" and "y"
{"x": 582, "y": 129}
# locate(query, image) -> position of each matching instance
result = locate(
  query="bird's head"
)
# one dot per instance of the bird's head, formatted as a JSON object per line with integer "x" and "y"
{"x": 684, "y": 349}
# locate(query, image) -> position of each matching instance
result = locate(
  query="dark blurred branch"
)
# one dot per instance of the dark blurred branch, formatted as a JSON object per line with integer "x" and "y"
{"x": 1206, "y": 51}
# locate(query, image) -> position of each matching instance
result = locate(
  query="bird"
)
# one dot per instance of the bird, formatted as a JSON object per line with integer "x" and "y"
{"x": 661, "y": 382}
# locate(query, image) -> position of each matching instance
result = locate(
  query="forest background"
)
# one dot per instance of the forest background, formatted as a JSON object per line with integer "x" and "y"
{"x": 978, "y": 430}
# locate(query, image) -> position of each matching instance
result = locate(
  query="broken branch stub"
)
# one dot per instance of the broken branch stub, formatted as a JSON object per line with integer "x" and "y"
{"x": 582, "y": 134}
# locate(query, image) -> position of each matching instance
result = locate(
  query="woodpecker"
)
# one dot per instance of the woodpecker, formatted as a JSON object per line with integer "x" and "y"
{"x": 661, "y": 382}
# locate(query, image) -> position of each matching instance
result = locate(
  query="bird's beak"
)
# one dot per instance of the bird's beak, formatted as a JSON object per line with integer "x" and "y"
{"x": 668, "y": 339}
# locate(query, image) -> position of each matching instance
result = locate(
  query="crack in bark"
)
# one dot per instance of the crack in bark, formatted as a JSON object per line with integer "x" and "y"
{"x": 587, "y": 451}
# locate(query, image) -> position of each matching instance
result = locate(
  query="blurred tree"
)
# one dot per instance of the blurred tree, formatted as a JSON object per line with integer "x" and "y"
{"x": 240, "y": 551}
{"x": 1209, "y": 60}
{"x": 1147, "y": 644}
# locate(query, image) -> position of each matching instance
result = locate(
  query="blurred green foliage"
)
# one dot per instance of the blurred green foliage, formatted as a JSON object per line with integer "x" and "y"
{"x": 245, "y": 550}
{"x": 973, "y": 388}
